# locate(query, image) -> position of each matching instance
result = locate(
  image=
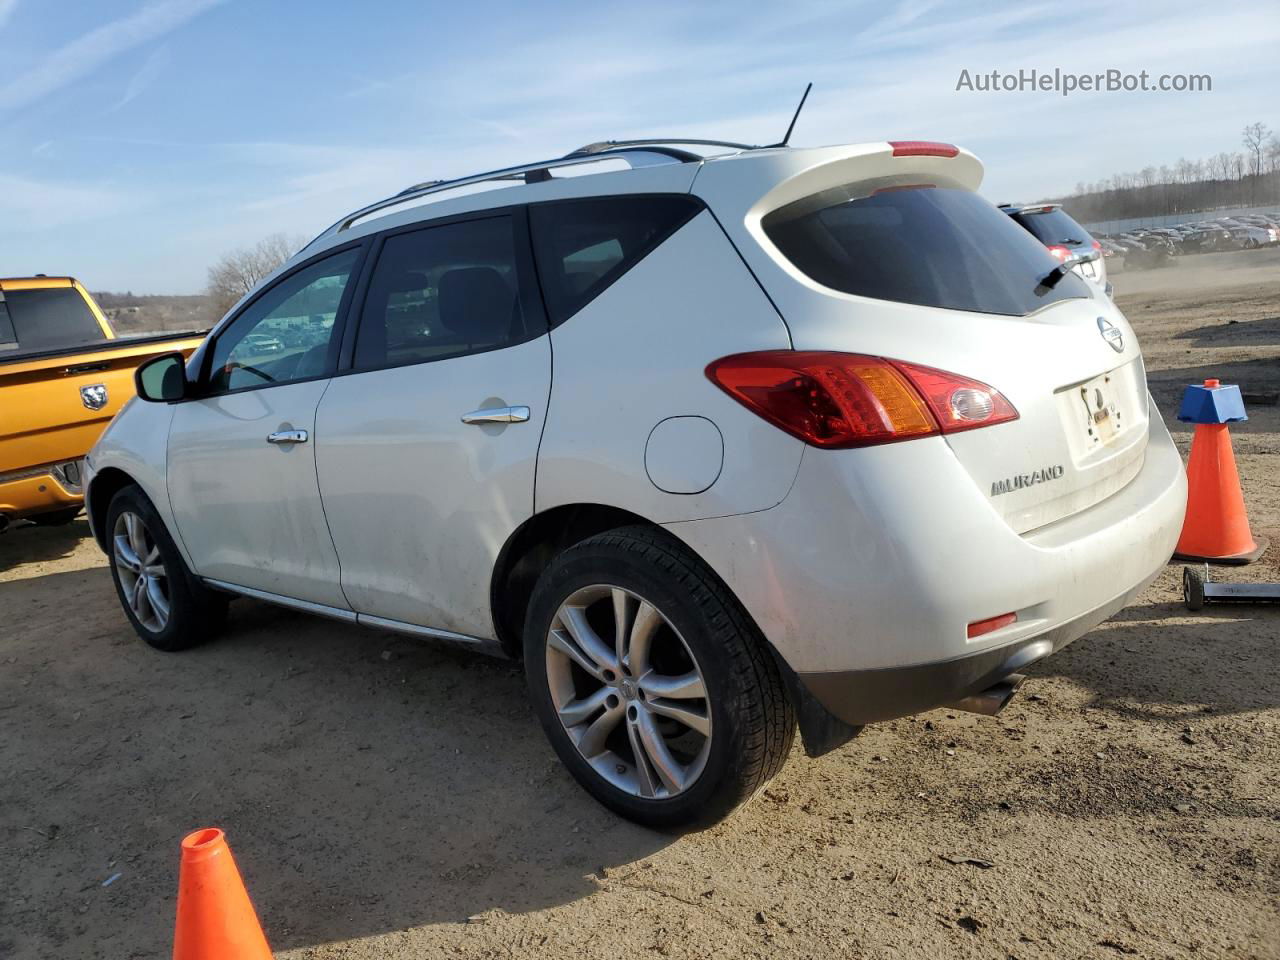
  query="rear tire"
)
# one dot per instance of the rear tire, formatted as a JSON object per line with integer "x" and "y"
{"x": 611, "y": 701}
{"x": 169, "y": 608}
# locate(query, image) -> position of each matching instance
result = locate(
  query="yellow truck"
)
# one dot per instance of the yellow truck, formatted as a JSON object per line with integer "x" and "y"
{"x": 63, "y": 375}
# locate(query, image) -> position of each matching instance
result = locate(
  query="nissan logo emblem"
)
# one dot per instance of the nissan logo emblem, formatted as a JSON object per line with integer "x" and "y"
{"x": 1111, "y": 333}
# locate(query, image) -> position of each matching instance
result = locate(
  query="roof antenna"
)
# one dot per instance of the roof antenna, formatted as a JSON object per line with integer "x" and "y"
{"x": 795, "y": 117}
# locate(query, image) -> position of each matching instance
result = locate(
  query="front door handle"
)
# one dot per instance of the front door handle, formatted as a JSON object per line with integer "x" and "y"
{"x": 497, "y": 415}
{"x": 287, "y": 436}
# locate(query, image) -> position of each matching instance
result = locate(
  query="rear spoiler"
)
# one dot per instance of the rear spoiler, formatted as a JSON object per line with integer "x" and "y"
{"x": 1012, "y": 208}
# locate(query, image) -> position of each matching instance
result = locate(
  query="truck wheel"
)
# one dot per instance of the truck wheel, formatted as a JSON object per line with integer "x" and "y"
{"x": 168, "y": 607}
{"x": 58, "y": 518}
{"x": 1192, "y": 588}
{"x": 654, "y": 687}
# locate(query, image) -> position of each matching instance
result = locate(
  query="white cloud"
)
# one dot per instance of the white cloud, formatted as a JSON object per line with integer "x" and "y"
{"x": 86, "y": 53}
{"x": 34, "y": 206}
{"x": 6, "y": 11}
{"x": 145, "y": 76}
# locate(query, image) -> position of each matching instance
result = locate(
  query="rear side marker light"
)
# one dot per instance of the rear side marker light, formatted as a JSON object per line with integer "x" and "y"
{"x": 990, "y": 625}
{"x": 843, "y": 400}
{"x": 922, "y": 148}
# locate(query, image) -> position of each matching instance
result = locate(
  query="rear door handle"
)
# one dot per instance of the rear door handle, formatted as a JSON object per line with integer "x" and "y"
{"x": 497, "y": 415}
{"x": 287, "y": 436}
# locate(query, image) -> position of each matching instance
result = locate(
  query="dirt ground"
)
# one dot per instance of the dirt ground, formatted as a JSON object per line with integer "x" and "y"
{"x": 387, "y": 798}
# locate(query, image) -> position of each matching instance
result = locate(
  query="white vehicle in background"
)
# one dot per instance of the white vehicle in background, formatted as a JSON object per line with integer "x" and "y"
{"x": 828, "y": 440}
{"x": 1250, "y": 236}
{"x": 257, "y": 343}
{"x": 1069, "y": 242}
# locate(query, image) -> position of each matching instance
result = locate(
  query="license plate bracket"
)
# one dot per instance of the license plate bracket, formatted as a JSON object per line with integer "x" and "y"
{"x": 1102, "y": 416}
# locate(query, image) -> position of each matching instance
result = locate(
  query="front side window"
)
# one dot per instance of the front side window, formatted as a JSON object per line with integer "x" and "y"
{"x": 440, "y": 292}
{"x": 285, "y": 334}
{"x": 583, "y": 246}
{"x": 935, "y": 244}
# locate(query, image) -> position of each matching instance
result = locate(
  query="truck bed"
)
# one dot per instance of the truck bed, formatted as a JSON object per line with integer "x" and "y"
{"x": 54, "y": 404}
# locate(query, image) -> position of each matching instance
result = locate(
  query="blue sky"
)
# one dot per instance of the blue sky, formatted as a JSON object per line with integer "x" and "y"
{"x": 140, "y": 140}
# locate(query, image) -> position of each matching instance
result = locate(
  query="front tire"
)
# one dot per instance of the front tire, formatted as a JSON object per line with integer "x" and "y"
{"x": 168, "y": 607}
{"x": 651, "y": 682}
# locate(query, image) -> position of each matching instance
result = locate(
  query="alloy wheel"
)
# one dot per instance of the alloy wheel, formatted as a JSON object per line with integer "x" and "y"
{"x": 628, "y": 692}
{"x": 143, "y": 578}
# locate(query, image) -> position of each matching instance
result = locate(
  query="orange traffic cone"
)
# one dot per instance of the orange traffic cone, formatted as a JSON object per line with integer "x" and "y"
{"x": 215, "y": 918}
{"x": 1216, "y": 527}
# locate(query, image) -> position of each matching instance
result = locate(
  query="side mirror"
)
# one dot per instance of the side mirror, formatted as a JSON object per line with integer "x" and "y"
{"x": 162, "y": 379}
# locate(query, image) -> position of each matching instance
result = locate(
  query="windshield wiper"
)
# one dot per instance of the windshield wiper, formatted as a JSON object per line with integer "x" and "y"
{"x": 1052, "y": 279}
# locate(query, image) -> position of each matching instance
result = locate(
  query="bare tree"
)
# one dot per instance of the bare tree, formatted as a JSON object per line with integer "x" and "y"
{"x": 238, "y": 272}
{"x": 1226, "y": 179}
{"x": 1253, "y": 137}
{"x": 1273, "y": 154}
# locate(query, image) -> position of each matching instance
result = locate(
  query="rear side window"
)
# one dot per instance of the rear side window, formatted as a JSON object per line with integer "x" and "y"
{"x": 442, "y": 292}
{"x": 936, "y": 245}
{"x": 50, "y": 318}
{"x": 1054, "y": 227}
{"x": 8, "y": 339}
{"x": 583, "y": 246}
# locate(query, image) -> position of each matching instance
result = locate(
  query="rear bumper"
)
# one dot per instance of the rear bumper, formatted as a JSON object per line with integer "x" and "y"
{"x": 40, "y": 490}
{"x": 858, "y": 697}
{"x": 866, "y": 576}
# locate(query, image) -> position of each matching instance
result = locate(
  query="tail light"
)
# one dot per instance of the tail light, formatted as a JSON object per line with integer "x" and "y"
{"x": 1059, "y": 251}
{"x": 840, "y": 400}
{"x": 1097, "y": 245}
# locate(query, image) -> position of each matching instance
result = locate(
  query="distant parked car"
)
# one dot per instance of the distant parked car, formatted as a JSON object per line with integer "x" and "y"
{"x": 257, "y": 343}
{"x": 1148, "y": 251}
{"x": 1250, "y": 237}
{"x": 1064, "y": 238}
{"x": 1266, "y": 224}
{"x": 1214, "y": 237}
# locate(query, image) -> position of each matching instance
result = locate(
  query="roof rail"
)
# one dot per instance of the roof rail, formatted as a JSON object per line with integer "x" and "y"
{"x": 528, "y": 172}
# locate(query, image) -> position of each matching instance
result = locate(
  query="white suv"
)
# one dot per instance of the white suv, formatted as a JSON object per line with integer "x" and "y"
{"x": 720, "y": 445}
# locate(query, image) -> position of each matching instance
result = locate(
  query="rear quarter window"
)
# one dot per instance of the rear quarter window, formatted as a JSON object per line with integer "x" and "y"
{"x": 935, "y": 245}
{"x": 8, "y": 339}
{"x": 584, "y": 246}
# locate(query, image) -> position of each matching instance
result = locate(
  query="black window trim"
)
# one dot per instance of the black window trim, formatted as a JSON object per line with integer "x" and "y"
{"x": 203, "y": 358}
{"x": 528, "y": 288}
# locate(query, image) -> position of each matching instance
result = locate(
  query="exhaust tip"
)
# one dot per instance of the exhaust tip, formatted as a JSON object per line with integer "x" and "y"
{"x": 993, "y": 699}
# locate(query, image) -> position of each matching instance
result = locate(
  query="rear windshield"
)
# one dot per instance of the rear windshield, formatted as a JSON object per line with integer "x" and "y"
{"x": 936, "y": 245}
{"x": 1054, "y": 227}
{"x": 49, "y": 318}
